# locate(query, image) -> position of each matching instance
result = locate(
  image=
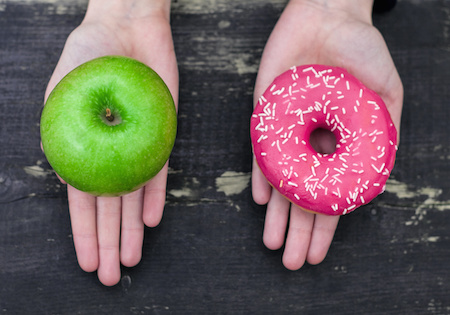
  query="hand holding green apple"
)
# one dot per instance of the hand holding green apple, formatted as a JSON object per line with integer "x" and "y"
{"x": 109, "y": 126}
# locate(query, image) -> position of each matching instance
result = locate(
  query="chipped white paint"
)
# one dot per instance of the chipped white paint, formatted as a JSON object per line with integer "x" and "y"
{"x": 224, "y": 24}
{"x": 188, "y": 189}
{"x": 232, "y": 183}
{"x": 399, "y": 189}
{"x": 178, "y": 193}
{"x": 402, "y": 191}
{"x": 243, "y": 65}
{"x": 432, "y": 239}
{"x": 37, "y": 171}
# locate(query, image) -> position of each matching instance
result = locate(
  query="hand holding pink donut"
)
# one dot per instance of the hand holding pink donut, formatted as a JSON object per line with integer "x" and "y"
{"x": 338, "y": 34}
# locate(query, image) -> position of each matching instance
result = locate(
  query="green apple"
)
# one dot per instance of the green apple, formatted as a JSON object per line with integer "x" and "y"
{"x": 109, "y": 126}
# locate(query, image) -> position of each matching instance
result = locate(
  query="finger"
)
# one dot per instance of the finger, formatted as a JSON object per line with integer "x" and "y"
{"x": 276, "y": 221}
{"x": 261, "y": 190}
{"x": 108, "y": 230}
{"x": 132, "y": 228}
{"x": 298, "y": 238}
{"x": 84, "y": 228}
{"x": 155, "y": 198}
{"x": 322, "y": 236}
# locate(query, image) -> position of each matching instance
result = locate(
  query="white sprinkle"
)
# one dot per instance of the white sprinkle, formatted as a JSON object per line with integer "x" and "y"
{"x": 337, "y": 118}
{"x": 263, "y": 153}
{"x": 362, "y": 199}
{"x": 278, "y": 92}
{"x": 360, "y": 93}
{"x": 378, "y": 170}
{"x": 278, "y": 145}
{"x": 375, "y": 104}
{"x": 307, "y": 179}
{"x": 348, "y": 85}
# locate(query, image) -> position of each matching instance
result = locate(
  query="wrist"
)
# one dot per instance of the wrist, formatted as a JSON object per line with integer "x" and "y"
{"x": 359, "y": 9}
{"x": 127, "y": 9}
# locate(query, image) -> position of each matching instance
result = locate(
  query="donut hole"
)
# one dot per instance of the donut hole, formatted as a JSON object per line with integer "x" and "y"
{"x": 323, "y": 141}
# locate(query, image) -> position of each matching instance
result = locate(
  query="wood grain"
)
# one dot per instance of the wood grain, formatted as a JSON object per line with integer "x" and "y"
{"x": 207, "y": 257}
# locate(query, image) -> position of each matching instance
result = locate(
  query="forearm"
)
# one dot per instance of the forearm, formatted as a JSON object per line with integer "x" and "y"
{"x": 129, "y": 9}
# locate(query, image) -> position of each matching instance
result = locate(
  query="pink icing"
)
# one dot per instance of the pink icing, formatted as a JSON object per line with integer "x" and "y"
{"x": 306, "y": 98}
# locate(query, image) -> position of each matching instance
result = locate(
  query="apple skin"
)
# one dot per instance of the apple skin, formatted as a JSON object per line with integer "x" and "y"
{"x": 102, "y": 157}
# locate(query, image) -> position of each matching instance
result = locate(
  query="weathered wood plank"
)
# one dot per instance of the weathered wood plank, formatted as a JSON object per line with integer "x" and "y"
{"x": 391, "y": 257}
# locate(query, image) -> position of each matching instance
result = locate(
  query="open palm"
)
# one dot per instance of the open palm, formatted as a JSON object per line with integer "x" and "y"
{"x": 311, "y": 33}
{"x": 109, "y": 231}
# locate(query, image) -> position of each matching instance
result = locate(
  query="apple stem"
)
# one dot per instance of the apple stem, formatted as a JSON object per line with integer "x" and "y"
{"x": 109, "y": 116}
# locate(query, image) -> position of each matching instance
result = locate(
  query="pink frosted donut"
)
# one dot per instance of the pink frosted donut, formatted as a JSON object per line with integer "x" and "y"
{"x": 311, "y": 97}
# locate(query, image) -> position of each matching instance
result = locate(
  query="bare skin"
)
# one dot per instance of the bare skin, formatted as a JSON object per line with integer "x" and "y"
{"x": 108, "y": 232}
{"x": 337, "y": 33}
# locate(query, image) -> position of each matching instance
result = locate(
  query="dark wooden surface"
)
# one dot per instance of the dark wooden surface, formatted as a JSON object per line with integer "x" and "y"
{"x": 390, "y": 257}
